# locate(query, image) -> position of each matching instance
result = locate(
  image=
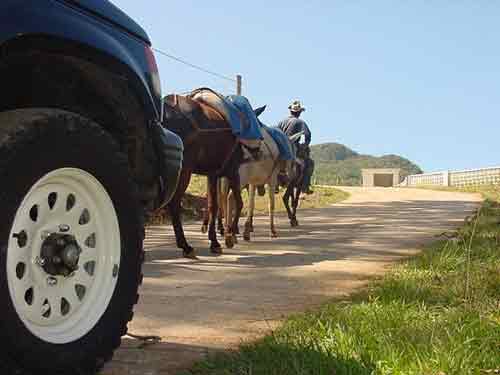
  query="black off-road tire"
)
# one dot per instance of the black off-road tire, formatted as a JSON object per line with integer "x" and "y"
{"x": 34, "y": 142}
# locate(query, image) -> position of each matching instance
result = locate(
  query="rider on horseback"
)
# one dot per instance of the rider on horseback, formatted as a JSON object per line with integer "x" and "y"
{"x": 293, "y": 124}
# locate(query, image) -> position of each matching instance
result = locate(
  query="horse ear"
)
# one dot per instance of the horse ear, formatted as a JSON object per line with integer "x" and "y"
{"x": 259, "y": 111}
{"x": 296, "y": 137}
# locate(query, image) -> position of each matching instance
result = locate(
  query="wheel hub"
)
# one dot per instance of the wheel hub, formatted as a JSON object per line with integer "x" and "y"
{"x": 60, "y": 254}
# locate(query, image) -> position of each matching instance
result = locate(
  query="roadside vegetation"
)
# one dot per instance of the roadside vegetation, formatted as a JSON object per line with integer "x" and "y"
{"x": 491, "y": 192}
{"x": 194, "y": 201}
{"x": 435, "y": 314}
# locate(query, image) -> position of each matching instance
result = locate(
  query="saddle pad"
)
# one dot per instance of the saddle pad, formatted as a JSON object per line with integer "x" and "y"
{"x": 282, "y": 141}
{"x": 249, "y": 129}
{"x": 235, "y": 109}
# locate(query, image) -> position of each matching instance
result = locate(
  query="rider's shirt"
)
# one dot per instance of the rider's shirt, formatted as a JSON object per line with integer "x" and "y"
{"x": 292, "y": 125}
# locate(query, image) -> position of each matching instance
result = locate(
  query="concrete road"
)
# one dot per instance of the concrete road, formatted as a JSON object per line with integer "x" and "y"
{"x": 214, "y": 303}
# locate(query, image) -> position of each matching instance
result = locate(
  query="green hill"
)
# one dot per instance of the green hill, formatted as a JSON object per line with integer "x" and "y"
{"x": 337, "y": 164}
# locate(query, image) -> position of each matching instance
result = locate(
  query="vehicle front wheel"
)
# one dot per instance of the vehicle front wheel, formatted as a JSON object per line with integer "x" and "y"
{"x": 70, "y": 243}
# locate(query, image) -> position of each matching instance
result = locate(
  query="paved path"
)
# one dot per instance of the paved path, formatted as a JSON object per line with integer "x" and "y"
{"x": 214, "y": 303}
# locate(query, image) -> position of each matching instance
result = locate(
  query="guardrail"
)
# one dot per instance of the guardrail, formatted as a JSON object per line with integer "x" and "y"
{"x": 481, "y": 176}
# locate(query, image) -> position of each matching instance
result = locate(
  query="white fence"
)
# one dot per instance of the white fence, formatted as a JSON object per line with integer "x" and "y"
{"x": 482, "y": 176}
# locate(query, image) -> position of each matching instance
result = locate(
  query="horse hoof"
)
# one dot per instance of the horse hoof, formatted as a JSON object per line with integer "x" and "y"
{"x": 248, "y": 227}
{"x": 294, "y": 223}
{"x": 189, "y": 254}
{"x": 229, "y": 242}
{"x": 246, "y": 236}
{"x": 204, "y": 228}
{"x": 216, "y": 250}
{"x": 274, "y": 235}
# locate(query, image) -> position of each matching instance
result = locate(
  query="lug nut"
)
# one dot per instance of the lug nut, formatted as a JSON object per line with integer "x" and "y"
{"x": 45, "y": 234}
{"x": 40, "y": 261}
{"x": 64, "y": 228}
{"x": 51, "y": 281}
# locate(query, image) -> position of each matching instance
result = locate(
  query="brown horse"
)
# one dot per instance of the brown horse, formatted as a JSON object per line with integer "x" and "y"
{"x": 202, "y": 127}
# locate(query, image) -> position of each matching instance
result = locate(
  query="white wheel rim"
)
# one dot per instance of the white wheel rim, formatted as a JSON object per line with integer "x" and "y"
{"x": 68, "y": 310}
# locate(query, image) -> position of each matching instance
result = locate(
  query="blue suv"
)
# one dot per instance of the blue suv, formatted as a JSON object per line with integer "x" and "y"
{"x": 83, "y": 159}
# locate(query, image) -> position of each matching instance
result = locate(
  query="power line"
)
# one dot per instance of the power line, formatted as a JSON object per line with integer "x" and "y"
{"x": 194, "y": 66}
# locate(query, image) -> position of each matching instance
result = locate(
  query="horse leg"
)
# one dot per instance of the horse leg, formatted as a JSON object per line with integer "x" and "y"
{"x": 228, "y": 215}
{"x": 175, "y": 211}
{"x": 295, "y": 204}
{"x": 236, "y": 188}
{"x": 272, "y": 187}
{"x": 251, "y": 205}
{"x": 215, "y": 246}
{"x": 286, "y": 202}
{"x": 222, "y": 204}
{"x": 250, "y": 214}
{"x": 204, "y": 225}
{"x": 220, "y": 222}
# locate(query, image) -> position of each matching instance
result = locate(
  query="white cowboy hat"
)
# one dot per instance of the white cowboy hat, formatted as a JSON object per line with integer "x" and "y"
{"x": 296, "y": 106}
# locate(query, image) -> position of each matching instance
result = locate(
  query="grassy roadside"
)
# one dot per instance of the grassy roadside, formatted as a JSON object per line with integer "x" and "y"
{"x": 491, "y": 192}
{"x": 435, "y": 314}
{"x": 194, "y": 202}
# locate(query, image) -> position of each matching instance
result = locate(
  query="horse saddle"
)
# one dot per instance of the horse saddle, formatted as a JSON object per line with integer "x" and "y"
{"x": 237, "y": 112}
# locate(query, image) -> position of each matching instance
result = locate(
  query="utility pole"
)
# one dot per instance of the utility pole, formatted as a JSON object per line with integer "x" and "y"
{"x": 238, "y": 84}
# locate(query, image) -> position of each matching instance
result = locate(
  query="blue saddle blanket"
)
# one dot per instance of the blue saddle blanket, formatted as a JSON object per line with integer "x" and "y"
{"x": 246, "y": 126}
{"x": 284, "y": 145}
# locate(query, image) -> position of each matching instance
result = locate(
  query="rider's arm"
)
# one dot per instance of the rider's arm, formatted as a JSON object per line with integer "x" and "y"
{"x": 307, "y": 134}
{"x": 281, "y": 125}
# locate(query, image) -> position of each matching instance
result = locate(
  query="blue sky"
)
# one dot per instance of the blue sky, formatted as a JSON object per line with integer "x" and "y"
{"x": 420, "y": 79}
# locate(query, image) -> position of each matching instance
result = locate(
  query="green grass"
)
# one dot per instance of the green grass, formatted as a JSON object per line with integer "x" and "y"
{"x": 491, "y": 192}
{"x": 435, "y": 314}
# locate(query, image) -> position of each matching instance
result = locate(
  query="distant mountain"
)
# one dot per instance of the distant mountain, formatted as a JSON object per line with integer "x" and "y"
{"x": 332, "y": 152}
{"x": 337, "y": 164}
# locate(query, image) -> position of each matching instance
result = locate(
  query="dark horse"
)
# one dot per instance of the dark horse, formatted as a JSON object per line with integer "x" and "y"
{"x": 294, "y": 188}
{"x": 210, "y": 149}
